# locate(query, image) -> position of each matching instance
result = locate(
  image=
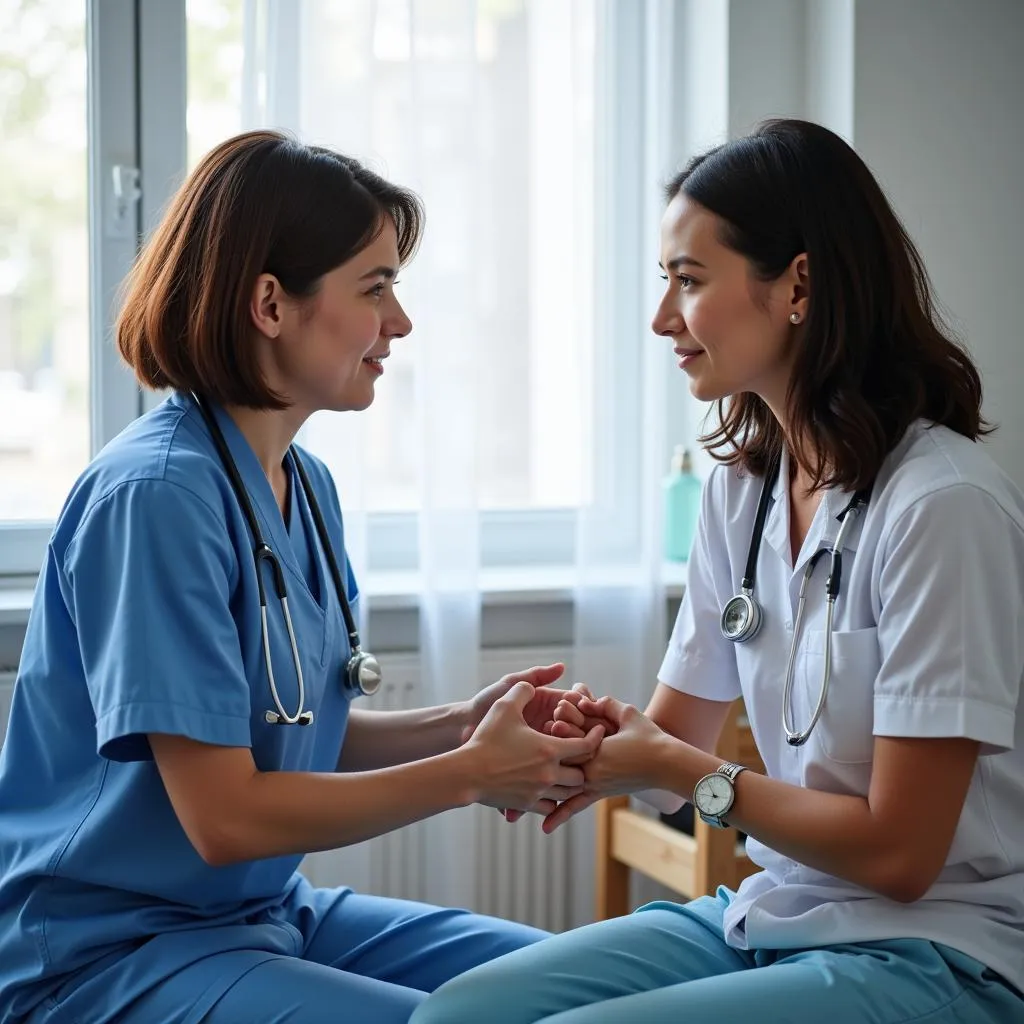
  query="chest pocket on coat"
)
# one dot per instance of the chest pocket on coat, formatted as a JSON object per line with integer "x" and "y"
{"x": 845, "y": 731}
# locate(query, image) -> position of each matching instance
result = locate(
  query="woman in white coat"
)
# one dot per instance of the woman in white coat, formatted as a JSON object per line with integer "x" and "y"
{"x": 858, "y": 579}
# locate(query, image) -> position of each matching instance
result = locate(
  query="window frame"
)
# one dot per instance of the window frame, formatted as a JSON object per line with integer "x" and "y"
{"x": 137, "y": 96}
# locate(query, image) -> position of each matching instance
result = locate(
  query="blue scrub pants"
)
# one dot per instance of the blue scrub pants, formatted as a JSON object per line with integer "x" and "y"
{"x": 324, "y": 955}
{"x": 669, "y": 964}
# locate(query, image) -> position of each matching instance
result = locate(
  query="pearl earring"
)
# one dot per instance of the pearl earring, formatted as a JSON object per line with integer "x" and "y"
{"x": 794, "y": 318}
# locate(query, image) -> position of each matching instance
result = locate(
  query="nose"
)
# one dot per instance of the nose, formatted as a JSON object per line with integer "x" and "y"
{"x": 397, "y": 324}
{"x": 668, "y": 320}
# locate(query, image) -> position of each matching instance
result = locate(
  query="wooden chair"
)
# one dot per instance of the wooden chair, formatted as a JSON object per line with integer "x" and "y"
{"x": 691, "y": 865}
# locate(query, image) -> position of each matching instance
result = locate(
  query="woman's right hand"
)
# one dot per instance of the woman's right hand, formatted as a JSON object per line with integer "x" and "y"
{"x": 516, "y": 767}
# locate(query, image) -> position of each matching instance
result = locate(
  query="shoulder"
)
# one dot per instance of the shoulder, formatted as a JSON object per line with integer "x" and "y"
{"x": 936, "y": 472}
{"x": 159, "y": 468}
{"x": 730, "y": 497}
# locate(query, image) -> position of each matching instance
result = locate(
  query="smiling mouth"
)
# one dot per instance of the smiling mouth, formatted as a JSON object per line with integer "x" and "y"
{"x": 376, "y": 362}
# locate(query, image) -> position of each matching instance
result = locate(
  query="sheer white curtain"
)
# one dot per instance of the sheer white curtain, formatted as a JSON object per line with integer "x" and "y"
{"x": 520, "y": 423}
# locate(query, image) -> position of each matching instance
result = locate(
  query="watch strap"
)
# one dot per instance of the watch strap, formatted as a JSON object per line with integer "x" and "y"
{"x": 730, "y": 770}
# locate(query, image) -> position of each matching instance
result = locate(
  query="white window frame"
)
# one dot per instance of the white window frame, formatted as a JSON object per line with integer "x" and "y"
{"x": 120, "y": 38}
{"x": 137, "y": 96}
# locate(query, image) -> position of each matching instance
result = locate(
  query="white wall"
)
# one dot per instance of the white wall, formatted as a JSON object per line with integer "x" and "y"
{"x": 937, "y": 114}
{"x": 930, "y": 93}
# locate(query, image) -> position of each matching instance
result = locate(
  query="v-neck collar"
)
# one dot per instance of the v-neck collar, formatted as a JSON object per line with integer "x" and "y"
{"x": 824, "y": 526}
{"x": 263, "y": 499}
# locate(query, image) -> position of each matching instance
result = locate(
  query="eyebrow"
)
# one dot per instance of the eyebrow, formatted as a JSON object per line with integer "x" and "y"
{"x": 386, "y": 272}
{"x": 684, "y": 260}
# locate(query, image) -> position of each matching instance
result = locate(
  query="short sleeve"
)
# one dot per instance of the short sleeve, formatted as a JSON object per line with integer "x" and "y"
{"x": 148, "y": 581}
{"x": 699, "y": 660}
{"x": 951, "y": 620}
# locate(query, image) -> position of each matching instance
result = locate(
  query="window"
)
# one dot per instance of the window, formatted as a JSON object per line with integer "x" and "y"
{"x": 44, "y": 256}
{"x": 516, "y": 120}
{"x": 486, "y": 109}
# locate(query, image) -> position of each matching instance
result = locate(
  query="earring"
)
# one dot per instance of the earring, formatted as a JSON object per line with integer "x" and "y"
{"x": 794, "y": 318}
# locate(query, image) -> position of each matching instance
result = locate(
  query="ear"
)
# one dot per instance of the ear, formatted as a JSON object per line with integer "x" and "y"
{"x": 266, "y": 305}
{"x": 799, "y": 288}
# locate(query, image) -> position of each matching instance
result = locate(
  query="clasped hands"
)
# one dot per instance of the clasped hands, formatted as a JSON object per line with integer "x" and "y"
{"x": 552, "y": 751}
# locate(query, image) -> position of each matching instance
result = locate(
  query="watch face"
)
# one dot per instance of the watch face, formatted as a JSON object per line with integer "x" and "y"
{"x": 713, "y": 795}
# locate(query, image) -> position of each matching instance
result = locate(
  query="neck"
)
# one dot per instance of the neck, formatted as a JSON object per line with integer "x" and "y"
{"x": 269, "y": 432}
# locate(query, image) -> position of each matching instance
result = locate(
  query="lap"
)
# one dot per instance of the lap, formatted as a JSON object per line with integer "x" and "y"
{"x": 640, "y": 952}
{"x": 407, "y": 943}
{"x": 669, "y": 963}
{"x": 899, "y": 982}
{"x": 321, "y": 955}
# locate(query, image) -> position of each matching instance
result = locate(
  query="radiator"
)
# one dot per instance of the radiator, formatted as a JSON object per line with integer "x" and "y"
{"x": 516, "y": 871}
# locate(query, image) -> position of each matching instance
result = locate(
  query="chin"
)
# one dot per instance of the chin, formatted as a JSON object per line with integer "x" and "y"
{"x": 350, "y": 400}
{"x": 706, "y": 391}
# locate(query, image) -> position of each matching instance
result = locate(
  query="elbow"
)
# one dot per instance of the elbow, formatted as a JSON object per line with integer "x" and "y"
{"x": 906, "y": 880}
{"x": 214, "y": 854}
{"x": 905, "y": 890}
{"x": 214, "y": 851}
{"x": 217, "y": 845}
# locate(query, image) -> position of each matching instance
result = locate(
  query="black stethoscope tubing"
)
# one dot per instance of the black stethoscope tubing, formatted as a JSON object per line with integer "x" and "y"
{"x": 362, "y": 672}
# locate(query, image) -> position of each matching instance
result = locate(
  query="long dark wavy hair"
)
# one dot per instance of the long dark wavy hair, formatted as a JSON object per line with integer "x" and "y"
{"x": 874, "y": 354}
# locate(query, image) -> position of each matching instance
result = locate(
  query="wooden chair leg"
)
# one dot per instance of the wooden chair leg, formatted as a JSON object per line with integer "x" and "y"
{"x": 716, "y": 858}
{"x": 612, "y": 897}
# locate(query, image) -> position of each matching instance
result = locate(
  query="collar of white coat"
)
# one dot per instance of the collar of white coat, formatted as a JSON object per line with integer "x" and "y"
{"x": 824, "y": 527}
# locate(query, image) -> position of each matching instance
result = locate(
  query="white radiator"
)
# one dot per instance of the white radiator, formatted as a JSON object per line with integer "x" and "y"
{"x": 517, "y": 871}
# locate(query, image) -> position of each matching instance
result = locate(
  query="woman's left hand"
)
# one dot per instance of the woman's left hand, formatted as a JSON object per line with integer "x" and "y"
{"x": 624, "y": 763}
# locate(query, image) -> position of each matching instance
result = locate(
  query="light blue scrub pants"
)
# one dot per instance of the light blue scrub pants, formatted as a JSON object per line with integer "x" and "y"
{"x": 325, "y": 955}
{"x": 669, "y": 964}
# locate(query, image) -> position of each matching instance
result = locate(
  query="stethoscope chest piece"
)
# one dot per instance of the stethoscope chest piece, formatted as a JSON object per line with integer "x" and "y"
{"x": 362, "y": 674}
{"x": 741, "y": 618}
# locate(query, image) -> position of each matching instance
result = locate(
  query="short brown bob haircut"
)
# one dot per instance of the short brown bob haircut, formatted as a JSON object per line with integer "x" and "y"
{"x": 258, "y": 203}
{"x": 874, "y": 354}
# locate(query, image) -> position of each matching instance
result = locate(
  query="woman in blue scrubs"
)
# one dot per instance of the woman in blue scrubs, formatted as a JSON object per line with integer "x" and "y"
{"x": 156, "y": 792}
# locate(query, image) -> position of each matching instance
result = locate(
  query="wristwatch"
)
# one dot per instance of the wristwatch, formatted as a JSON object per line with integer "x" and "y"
{"x": 714, "y": 795}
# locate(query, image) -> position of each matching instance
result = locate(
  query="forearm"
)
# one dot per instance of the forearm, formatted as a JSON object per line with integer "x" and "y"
{"x": 381, "y": 739}
{"x": 696, "y": 721}
{"x": 834, "y": 833}
{"x": 281, "y": 813}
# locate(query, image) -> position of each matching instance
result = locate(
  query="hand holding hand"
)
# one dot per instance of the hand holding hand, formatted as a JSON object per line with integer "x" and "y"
{"x": 539, "y": 712}
{"x": 555, "y": 708}
{"x": 517, "y": 766}
{"x": 620, "y": 765}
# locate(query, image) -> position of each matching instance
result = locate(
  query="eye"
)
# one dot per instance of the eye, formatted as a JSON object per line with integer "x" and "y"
{"x": 685, "y": 282}
{"x": 377, "y": 290}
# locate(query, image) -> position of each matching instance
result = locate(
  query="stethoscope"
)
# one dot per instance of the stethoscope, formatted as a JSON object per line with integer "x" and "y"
{"x": 361, "y": 675}
{"x": 742, "y": 615}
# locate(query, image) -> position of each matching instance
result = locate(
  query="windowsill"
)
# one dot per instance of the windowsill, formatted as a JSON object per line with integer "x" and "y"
{"x": 526, "y": 585}
{"x": 388, "y": 591}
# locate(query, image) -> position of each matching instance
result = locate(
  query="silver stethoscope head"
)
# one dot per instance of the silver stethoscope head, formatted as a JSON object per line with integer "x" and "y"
{"x": 741, "y": 617}
{"x": 364, "y": 674}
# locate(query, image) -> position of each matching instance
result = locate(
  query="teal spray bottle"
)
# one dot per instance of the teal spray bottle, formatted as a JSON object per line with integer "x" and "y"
{"x": 682, "y": 506}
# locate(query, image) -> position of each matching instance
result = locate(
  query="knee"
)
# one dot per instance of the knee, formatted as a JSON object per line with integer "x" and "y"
{"x": 468, "y": 999}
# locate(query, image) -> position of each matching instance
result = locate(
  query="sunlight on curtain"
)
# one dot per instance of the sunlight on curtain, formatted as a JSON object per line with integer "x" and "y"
{"x": 525, "y": 385}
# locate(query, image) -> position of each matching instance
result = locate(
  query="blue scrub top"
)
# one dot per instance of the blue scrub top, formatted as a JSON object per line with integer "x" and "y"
{"x": 146, "y": 619}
